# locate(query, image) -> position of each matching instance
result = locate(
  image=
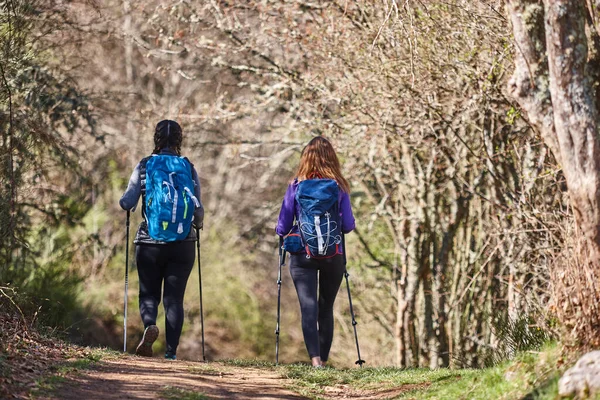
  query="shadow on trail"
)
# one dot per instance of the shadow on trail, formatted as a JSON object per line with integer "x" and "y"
{"x": 137, "y": 378}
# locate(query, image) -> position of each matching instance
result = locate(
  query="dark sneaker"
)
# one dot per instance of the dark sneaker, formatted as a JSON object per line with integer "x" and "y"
{"x": 145, "y": 347}
{"x": 170, "y": 356}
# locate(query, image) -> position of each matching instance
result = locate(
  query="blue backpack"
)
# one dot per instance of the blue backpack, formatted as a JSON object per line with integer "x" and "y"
{"x": 168, "y": 198}
{"x": 319, "y": 222}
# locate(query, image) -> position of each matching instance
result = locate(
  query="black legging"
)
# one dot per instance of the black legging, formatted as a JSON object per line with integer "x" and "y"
{"x": 171, "y": 263}
{"x": 317, "y": 315}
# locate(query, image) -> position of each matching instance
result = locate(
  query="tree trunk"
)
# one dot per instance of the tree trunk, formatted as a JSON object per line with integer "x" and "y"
{"x": 399, "y": 332}
{"x": 559, "y": 98}
{"x": 575, "y": 113}
{"x": 558, "y": 93}
{"x": 429, "y": 353}
{"x": 529, "y": 83}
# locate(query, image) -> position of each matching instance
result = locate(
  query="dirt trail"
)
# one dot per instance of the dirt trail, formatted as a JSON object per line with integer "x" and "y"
{"x": 153, "y": 378}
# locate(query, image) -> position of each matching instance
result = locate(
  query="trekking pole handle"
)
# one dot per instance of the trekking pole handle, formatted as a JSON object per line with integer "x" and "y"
{"x": 281, "y": 251}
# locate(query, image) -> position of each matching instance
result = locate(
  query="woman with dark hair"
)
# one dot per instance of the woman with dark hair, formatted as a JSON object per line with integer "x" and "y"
{"x": 318, "y": 161}
{"x": 159, "y": 260}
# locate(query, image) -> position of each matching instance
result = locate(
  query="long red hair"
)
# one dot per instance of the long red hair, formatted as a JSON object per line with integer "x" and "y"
{"x": 318, "y": 160}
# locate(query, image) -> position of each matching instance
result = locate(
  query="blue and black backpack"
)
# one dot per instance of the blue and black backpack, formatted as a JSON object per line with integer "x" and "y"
{"x": 168, "y": 196}
{"x": 319, "y": 222}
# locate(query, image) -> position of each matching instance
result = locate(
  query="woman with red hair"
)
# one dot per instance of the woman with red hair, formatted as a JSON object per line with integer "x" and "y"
{"x": 317, "y": 280}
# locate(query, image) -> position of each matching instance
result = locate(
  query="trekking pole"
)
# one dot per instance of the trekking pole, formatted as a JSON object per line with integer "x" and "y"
{"x": 281, "y": 263}
{"x": 200, "y": 285}
{"x": 126, "y": 285}
{"x": 360, "y": 361}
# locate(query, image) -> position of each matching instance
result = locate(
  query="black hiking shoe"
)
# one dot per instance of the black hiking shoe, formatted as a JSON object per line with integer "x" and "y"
{"x": 144, "y": 349}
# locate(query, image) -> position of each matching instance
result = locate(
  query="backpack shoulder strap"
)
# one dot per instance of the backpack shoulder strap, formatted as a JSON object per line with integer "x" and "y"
{"x": 188, "y": 160}
{"x": 191, "y": 166}
{"x": 143, "y": 163}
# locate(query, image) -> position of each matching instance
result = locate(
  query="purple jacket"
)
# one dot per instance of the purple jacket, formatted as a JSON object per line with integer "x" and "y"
{"x": 290, "y": 210}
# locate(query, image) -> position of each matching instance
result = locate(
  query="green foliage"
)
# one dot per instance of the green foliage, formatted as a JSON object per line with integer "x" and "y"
{"x": 366, "y": 377}
{"x": 42, "y": 111}
{"x": 84, "y": 363}
{"x": 511, "y": 337}
{"x": 205, "y": 369}
{"x": 237, "y": 362}
{"x": 530, "y": 375}
{"x": 49, "y": 292}
{"x": 46, "y": 283}
{"x": 517, "y": 336}
{"x": 43, "y": 189}
{"x": 170, "y": 392}
{"x": 512, "y": 115}
{"x": 46, "y": 385}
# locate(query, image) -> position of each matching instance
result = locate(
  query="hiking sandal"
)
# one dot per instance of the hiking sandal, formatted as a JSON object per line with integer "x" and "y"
{"x": 144, "y": 349}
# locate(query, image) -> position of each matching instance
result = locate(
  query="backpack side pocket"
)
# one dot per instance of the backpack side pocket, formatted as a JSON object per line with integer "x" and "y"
{"x": 292, "y": 242}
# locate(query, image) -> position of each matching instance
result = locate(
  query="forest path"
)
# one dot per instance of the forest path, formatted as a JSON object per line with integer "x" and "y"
{"x": 130, "y": 377}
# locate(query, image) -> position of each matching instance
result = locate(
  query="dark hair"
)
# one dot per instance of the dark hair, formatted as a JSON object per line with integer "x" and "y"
{"x": 168, "y": 134}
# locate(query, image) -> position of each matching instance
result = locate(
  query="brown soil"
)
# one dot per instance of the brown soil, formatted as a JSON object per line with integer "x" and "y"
{"x": 133, "y": 377}
{"x": 346, "y": 392}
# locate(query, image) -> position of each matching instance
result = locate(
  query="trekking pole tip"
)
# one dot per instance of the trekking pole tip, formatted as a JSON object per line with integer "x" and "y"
{"x": 360, "y": 362}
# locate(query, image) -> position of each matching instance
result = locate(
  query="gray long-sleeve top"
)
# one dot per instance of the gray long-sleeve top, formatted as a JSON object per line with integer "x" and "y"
{"x": 132, "y": 195}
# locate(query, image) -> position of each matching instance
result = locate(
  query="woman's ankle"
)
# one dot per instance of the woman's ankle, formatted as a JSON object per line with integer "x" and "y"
{"x": 316, "y": 361}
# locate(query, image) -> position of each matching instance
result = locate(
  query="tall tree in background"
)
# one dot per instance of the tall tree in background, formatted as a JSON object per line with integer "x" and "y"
{"x": 556, "y": 83}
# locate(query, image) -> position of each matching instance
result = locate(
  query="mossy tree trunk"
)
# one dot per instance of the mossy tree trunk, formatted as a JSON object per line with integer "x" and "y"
{"x": 555, "y": 82}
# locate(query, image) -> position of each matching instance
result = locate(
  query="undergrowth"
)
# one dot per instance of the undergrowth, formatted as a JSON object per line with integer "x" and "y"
{"x": 34, "y": 360}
